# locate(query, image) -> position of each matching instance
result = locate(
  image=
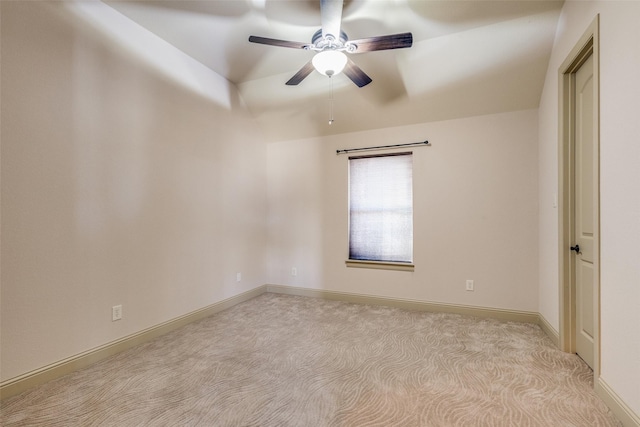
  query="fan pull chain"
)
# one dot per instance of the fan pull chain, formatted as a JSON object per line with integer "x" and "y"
{"x": 331, "y": 103}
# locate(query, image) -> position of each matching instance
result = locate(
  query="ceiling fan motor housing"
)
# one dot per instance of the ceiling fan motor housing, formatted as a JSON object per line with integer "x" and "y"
{"x": 320, "y": 43}
{"x": 331, "y": 44}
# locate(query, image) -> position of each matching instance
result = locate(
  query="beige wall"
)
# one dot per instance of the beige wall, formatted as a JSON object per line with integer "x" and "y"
{"x": 475, "y": 213}
{"x": 132, "y": 176}
{"x": 121, "y": 184}
{"x": 619, "y": 190}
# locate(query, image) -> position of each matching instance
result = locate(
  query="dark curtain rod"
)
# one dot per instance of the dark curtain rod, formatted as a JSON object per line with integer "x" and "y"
{"x": 411, "y": 144}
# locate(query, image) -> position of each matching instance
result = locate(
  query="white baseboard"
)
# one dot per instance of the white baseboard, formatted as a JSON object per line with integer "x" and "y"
{"x": 17, "y": 385}
{"x": 549, "y": 330}
{"x": 31, "y": 379}
{"x": 610, "y": 398}
{"x": 620, "y": 409}
{"x": 496, "y": 313}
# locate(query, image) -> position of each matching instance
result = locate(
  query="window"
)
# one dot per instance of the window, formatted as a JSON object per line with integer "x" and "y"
{"x": 381, "y": 208}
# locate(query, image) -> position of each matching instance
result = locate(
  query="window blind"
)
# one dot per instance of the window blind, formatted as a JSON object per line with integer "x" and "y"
{"x": 381, "y": 208}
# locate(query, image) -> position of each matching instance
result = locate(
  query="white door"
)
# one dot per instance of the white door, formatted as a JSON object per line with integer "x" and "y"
{"x": 584, "y": 212}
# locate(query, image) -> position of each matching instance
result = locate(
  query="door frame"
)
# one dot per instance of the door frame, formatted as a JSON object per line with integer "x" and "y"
{"x": 586, "y": 46}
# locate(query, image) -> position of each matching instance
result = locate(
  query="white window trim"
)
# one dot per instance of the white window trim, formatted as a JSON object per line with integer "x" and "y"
{"x": 375, "y": 264}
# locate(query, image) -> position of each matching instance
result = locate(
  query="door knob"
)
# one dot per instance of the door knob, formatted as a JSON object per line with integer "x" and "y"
{"x": 575, "y": 248}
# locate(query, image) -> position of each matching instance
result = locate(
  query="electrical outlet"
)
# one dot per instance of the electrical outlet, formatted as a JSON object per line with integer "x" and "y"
{"x": 116, "y": 313}
{"x": 470, "y": 285}
{"x": 294, "y": 271}
{"x": 238, "y": 277}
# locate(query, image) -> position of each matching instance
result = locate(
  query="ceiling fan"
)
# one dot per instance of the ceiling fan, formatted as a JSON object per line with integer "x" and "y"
{"x": 331, "y": 44}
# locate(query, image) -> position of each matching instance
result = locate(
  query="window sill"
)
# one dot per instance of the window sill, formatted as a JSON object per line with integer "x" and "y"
{"x": 380, "y": 265}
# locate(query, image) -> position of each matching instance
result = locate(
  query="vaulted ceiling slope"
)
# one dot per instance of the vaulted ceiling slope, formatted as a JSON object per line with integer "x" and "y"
{"x": 468, "y": 58}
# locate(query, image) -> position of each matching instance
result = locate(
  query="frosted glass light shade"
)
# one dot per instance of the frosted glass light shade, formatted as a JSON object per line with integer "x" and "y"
{"x": 329, "y": 62}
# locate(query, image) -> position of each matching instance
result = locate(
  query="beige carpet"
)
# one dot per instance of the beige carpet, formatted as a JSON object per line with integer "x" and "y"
{"x": 292, "y": 361}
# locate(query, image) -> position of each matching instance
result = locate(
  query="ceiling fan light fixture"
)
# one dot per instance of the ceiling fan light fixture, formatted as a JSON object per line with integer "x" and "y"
{"x": 329, "y": 62}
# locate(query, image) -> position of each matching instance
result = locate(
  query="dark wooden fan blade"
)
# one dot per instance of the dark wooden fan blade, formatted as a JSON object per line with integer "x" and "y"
{"x": 331, "y": 15}
{"x": 301, "y": 75}
{"x": 393, "y": 41}
{"x": 276, "y": 42}
{"x": 356, "y": 74}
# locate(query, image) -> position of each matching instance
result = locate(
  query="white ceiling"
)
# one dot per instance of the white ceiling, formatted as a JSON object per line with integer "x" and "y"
{"x": 468, "y": 58}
